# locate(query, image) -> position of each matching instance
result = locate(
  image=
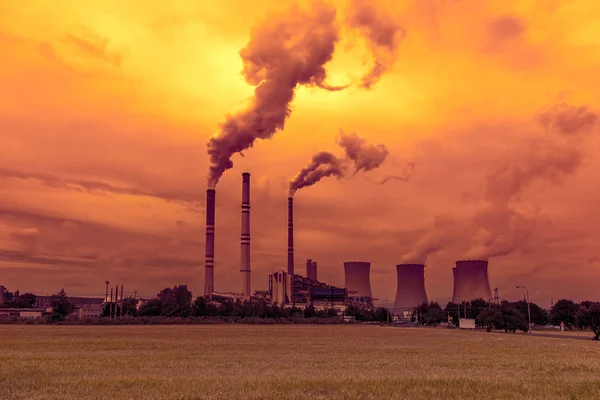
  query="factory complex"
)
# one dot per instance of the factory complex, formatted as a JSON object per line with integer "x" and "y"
{"x": 290, "y": 289}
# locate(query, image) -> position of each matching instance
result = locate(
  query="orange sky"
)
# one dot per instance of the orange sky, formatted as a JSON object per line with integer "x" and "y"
{"x": 107, "y": 106}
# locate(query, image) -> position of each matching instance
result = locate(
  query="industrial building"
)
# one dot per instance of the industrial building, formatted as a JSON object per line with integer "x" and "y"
{"x": 299, "y": 290}
{"x": 89, "y": 311}
{"x": 311, "y": 269}
{"x": 410, "y": 289}
{"x": 471, "y": 281}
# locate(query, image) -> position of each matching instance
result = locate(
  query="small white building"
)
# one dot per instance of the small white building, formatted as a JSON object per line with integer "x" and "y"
{"x": 90, "y": 310}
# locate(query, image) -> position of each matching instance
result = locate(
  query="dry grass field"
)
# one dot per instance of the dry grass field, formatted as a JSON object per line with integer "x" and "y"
{"x": 290, "y": 362}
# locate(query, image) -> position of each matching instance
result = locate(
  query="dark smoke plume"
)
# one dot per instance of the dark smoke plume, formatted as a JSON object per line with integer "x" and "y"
{"x": 383, "y": 36}
{"x": 323, "y": 164}
{"x": 287, "y": 50}
{"x": 404, "y": 177}
{"x": 365, "y": 157}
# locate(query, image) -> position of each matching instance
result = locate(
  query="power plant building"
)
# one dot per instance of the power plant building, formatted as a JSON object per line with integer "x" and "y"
{"x": 410, "y": 289}
{"x": 297, "y": 289}
{"x": 471, "y": 281}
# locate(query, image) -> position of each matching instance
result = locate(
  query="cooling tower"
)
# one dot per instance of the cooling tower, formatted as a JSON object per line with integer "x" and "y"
{"x": 410, "y": 291}
{"x": 311, "y": 270}
{"x": 471, "y": 281}
{"x": 209, "y": 263}
{"x": 358, "y": 278}
{"x": 290, "y": 263}
{"x": 245, "y": 253}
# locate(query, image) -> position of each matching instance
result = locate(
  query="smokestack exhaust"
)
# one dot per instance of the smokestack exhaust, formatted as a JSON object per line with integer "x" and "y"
{"x": 290, "y": 263}
{"x": 245, "y": 253}
{"x": 209, "y": 263}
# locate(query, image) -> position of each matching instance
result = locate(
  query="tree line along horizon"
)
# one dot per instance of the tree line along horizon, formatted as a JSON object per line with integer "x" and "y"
{"x": 178, "y": 302}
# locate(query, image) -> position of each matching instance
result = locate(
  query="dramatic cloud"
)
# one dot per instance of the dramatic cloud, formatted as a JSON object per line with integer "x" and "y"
{"x": 383, "y": 36}
{"x": 285, "y": 51}
{"x": 365, "y": 157}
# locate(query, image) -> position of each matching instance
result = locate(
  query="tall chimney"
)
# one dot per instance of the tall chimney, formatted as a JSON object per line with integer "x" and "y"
{"x": 245, "y": 254}
{"x": 209, "y": 262}
{"x": 290, "y": 263}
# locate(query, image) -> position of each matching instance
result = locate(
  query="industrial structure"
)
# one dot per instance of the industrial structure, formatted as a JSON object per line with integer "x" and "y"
{"x": 358, "y": 279}
{"x": 290, "y": 259}
{"x": 245, "y": 252}
{"x": 471, "y": 281}
{"x": 209, "y": 262}
{"x": 311, "y": 269}
{"x": 410, "y": 290}
{"x": 298, "y": 291}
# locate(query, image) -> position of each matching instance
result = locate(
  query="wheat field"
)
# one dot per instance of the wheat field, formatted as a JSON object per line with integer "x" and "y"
{"x": 290, "y": 362}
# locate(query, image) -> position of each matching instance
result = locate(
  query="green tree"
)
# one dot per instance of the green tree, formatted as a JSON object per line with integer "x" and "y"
{"x": 199, "y": 307}
{"x": 61, "y": 306}
{"x": 309, "y": 311}
{"x": 491, "y": 318}
{"x": 175, "y": 301}
{"x": 435, "y": 315}
{"x": 512, "y": 319}
{"x": 588, "y": 317}
{"x": 539, "y": 316}
{"x": 150, "y": 308}
{"x": 564, "y": 311}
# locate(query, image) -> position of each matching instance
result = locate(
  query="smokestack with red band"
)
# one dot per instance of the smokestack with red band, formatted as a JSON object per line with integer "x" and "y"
{"x": 209, "y": 263}
{"x": 245, "y": 255}
{"x": 290, "y": 263}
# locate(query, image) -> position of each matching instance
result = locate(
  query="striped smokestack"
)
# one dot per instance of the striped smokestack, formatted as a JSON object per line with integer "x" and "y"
{"x": 290, "y": 263}
{"x": 245, "y": 255}
{"x": 209, "y": 263}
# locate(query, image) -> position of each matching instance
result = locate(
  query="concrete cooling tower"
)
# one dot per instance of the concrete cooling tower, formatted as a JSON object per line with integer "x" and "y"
{"x": 358, "y": 278}
{"x": 410, "y": 290}
{"x": 290, "y": 261}
{"x": 311, "y": 270}
{"x": 209, "y": 261}
{"x": 471, "y": 281}
{"x": 245, "y": 252}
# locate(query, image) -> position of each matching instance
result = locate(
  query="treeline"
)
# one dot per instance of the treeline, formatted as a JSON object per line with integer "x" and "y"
{"x": 178, "y": 302}
{"x": 513, "y": 316}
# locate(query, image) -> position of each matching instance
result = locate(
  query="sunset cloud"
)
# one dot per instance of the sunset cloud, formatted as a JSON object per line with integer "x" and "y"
{"x": 488, "y": 112}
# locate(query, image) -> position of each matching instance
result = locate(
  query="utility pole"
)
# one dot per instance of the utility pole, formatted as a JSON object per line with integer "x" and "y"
{"x": 135, "y": 295}
{"x": 111, "y": 304}
{"x": 106, "y": 296}
{"x": 116, "y": 301}
{"x": 528, "y": 307}
{"x": 122, "y": 292}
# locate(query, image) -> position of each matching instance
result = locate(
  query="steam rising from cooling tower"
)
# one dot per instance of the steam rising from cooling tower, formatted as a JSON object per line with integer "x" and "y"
{"x": 245, "y": 250}
{"x": 358, "y": 278}
{"x": 285, "y": 51}
{"x": 471, "y": 281}
{"x": 209, "y": 276}
{"x": 410, "y": 289}
{"x": 365, "y": 157}
{"x": 499, "y": 226}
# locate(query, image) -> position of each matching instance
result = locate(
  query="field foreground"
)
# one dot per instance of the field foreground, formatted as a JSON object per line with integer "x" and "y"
{"x": 290, "y": 362}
